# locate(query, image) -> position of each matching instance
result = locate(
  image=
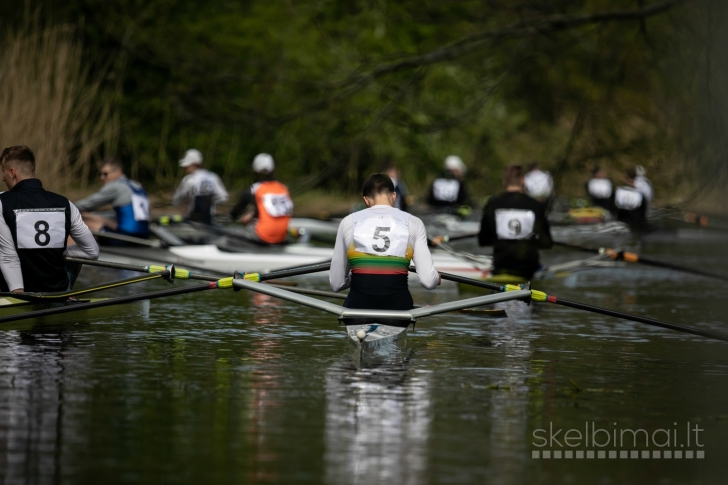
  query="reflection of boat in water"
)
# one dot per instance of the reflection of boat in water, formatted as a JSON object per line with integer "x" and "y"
{"x": 378, "y": 422}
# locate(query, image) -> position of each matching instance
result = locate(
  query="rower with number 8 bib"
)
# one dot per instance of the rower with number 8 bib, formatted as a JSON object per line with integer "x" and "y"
{"x": 34, "y": 228}
{"x": 516, "y": 226}
{"x": 374, "y": 248}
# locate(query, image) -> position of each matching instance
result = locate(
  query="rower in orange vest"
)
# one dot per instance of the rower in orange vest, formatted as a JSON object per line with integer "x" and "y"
{"x": 266, "y": 207}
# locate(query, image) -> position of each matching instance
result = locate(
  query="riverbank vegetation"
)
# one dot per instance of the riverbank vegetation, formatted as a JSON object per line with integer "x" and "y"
{"x": 335, "y": 89}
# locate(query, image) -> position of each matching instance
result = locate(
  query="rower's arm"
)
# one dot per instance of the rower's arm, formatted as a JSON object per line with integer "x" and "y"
{"x": 544, "y": 232}
{"x": 184, "y": 191}
{"x": 108, "y": 194}
{"x": 487, "y": 236}
{"x": 9, "y": 261}
{"x": 340, "y": 272}
{"x": 86, "y": 246}
{"x": 221, "y": 194}
{"x": 429, "y": 277}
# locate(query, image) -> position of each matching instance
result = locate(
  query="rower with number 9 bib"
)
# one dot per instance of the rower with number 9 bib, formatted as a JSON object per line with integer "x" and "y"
{"x": 34, "y": 228}
{"x": 515, "y": 225}
{"x": 374, "y": 248}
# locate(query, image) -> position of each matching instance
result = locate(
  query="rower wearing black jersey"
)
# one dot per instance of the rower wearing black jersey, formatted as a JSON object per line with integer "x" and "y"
{"x": 599, "y": 189}
{"x": 448, "y": 190}
{"x": 516, "y": 226}
{"x": 34, "y": 228}
{"x": 630, "y": 205}
{"x": 374, "y": 248}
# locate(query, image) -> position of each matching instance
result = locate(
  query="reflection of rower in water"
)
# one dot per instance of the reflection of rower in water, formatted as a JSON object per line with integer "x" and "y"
{"x": 201, "y": 189}
{"x": 599, "y": 188}
{"x": 449, "y": 190}
{"x": 630, "y": 205}
{"x": 34, "y": 228}
{"x": 374, "y": 248}
{"x": 516, "y": 226}
{"x": 127, "y": 197}
{"x": 267, "y": 202}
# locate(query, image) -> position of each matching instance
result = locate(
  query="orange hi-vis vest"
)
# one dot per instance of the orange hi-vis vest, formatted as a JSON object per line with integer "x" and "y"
{"x": 274, "y": 211}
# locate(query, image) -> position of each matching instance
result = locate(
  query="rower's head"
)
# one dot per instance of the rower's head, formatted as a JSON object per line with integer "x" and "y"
{"x": 599, "y": 173}
{"x": 629, "y": 175}
{"x": 18, "y": 164}
{"x": 392, "y": 171}
{"x": 110, "y": 169}
{"x": 513, "y": 179}
{"x": 191, "y": 161}
{"x": 534, "y": 166}
{"x": 379, "y": 190}
{"x": 263, "y": 165}
{"x": 456, "y": 166}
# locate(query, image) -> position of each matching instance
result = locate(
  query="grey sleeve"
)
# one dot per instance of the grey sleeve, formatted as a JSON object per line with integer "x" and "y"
{"x": 106, "y": 195}
{"x": 429, "y": 277}
{"x": 340, "y": 272}
{"x": 181, "y": 195}
{"x": 85, "y": 247}
{"x": 221, "y": 194}
{"x": 9, "y": 261}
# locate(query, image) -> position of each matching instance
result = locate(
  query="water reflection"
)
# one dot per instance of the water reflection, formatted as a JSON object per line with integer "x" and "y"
{"x": 31, "y": 406}
{"x": 378, "y": 419}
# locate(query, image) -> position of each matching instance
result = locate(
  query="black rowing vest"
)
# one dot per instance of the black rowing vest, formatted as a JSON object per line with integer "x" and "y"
{"x": 40, "y": 222}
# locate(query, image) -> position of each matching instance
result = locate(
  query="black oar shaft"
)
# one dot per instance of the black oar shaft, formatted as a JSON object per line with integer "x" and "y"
{"x": 111, "y": 301}
{"x": 637, "y": 318}
{"x": 313, "y": 268}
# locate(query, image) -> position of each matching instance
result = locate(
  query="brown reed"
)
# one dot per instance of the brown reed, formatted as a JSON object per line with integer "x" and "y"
{"x": 50, "y": 102}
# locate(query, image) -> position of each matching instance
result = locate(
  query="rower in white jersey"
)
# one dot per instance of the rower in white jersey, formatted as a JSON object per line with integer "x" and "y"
{"x": 374, "y": 248}
{"x": 201, "y": 189}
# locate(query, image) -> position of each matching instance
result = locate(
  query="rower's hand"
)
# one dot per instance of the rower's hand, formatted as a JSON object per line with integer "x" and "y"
{"x": 439, "y": 279}
{"x": 436, "y": 241}
{"x": 246, "y": 218}
{"x": 18, "y": 290}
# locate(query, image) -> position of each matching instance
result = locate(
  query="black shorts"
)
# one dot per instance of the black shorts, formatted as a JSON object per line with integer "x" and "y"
{"x": 398, "y": 301}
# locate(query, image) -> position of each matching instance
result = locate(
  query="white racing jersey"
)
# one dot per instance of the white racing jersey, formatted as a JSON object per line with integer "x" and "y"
{"x": 381, "y": 234}
{"x": 514, "y": 224}
{"x": 600, "y": 188}
{"x": 627, "y": 198}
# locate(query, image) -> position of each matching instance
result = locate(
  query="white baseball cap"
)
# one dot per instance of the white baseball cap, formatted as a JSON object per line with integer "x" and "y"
{"x": 192, "y": 157}
{"x": 453, "y": 162}
{"x": 263, "y": 162}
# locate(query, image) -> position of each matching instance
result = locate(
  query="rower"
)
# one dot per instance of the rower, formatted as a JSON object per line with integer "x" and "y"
{"x": 201, "y": 189}
{"x": 127, "y": 197}
{"x": 515, "y": 225}
{"x": 449, "y": 190}
{"x": 642, "y": 183}
{"x": 374, "y": 248}
{"x": 34, "y": 228}
{"x": 402, "y": 201}
{"x": 599, "y": 188}
{"x": 266, "y": 203}
{"x": 630, "y": 205}
{"x": 539, "y": 184}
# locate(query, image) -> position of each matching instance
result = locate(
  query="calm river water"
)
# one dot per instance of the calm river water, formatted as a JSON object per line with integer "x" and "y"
{"x": 223, "y": 387}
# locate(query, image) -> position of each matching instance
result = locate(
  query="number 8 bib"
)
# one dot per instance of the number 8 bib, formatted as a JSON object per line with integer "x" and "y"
{"x": 381, "y": 235}
{"x": 40, "y": 228}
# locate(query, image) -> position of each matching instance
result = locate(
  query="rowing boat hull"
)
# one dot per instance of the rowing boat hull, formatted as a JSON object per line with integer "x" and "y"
{"x": 12, "y": 306}
{"x": 209, "y": 257}
{"x": 377, "y": 335}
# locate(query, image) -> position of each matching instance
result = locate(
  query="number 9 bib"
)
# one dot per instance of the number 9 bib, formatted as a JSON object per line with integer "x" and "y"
{"x": 40, "y": 228}
{"x": 382, "y": 235}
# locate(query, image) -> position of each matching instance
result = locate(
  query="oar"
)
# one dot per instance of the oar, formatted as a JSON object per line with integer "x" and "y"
{"x": 635, "y": 258}
{"x": 74, "y": 307}
{"x": 167, "y": 274}
{"x": 435, "y": 241}
{"x": 131, "y": 239}
{"x": 543, "y": 297}
{"x": 184, "y": 274}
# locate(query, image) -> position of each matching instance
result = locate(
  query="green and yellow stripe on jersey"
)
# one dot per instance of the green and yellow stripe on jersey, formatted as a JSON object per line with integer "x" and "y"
{"x": 363, "y": 263}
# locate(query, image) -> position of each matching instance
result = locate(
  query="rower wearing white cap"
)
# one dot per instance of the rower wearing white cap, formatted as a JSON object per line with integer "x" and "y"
{"x": 449, "y": 189}
{"x": 201, "y": 189}
{"x": 266, "y": 203}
